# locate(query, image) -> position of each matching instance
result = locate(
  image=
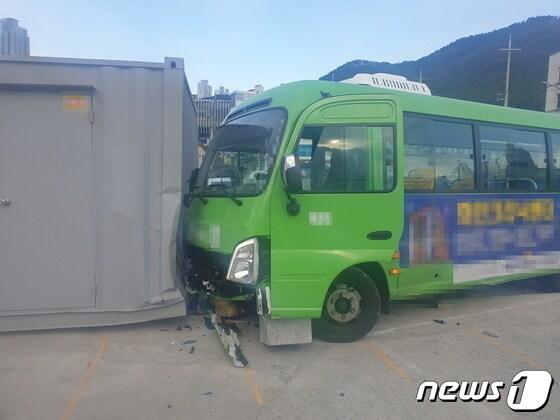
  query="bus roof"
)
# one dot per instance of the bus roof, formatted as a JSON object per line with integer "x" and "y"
{"x": 297, "y": 96}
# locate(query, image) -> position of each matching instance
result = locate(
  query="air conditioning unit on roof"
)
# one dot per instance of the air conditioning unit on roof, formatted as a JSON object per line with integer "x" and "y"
{"x": 389, "y": 81}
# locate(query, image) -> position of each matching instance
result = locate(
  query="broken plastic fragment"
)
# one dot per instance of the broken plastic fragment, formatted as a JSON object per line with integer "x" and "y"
{"x": 233, "y": 327}
{"x": 230, "y": 341}
{"x": 491, "y": 333}
{"x": 208, "y": 323}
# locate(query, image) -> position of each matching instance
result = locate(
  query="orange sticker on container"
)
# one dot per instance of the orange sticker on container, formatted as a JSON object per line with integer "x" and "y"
{"x": 75, "y": 103}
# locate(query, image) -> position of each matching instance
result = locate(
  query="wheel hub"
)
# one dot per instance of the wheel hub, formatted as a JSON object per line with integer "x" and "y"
{"x": 343, "y": 304}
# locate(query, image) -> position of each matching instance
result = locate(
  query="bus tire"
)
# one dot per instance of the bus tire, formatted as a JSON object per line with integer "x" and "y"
{"x": 350, "y": 310}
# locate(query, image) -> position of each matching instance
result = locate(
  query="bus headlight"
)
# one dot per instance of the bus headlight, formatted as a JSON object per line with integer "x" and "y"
{"x": 244, "y": 264}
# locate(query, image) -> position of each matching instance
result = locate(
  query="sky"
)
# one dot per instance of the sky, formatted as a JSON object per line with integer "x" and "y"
{"x": 240, "y": 43}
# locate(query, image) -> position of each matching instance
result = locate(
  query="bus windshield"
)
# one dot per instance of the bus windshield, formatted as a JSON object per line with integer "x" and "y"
{"x": 241, "y": 155}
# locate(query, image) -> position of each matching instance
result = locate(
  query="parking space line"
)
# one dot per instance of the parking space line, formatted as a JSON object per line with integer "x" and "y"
{"x": 254, "y": 387}
{"x": 74, "y": 399}
{"x": 492, "y": 341}
{"x": 456, "y": 317}
{"x": 387, "y": 360}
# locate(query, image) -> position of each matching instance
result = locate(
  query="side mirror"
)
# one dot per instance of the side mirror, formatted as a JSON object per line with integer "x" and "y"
{"x": 192, "y": 179}
{"x": 292, "y": 174}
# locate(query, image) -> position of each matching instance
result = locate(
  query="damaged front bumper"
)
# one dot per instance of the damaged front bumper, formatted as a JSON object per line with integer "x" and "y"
{"x": 204, "y": 272}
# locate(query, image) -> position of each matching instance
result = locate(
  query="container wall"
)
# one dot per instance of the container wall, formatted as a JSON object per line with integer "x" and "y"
{"x": 142, "y": 126}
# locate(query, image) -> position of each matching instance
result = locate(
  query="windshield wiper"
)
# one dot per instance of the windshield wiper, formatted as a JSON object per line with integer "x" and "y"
{"x": 228, "y": 195}
{"x": 235, "y": 200}
{"x": 199, "y": 195}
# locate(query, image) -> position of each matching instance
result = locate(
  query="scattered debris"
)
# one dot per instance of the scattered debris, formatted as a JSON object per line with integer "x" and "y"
{"x": 229, "y": 340}
{"x": 208, "y": 393}
{"x": 239, "y": 356}
{"x": 208, "y": 323}
{"x": 187, "y": 326}
{"x": 233, "y": 327}
{"x": 188, "y": 342}
{"x": 179, "y": 328}
{"x": 439, "y": 321}
{"x": 191, "y": 351}
{"x": 490, "y": 333}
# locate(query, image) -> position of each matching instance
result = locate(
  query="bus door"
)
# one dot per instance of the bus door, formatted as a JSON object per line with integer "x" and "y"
{"x": 350, "y": 202}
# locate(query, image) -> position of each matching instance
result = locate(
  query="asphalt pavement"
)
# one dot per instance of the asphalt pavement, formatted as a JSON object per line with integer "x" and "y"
{"x": 177, "y": 369}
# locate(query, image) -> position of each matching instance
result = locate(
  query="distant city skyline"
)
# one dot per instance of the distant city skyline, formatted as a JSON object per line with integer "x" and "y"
{"x": 14, "y": 39}
{"x": 259, "y": 40}
{"x": 221, "y": 91}
{"x": 204, "y": 90}
{"x": 212, "y": 109}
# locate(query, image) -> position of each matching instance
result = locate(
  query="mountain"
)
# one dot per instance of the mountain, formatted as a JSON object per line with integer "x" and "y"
{"x": 472, "y": 68}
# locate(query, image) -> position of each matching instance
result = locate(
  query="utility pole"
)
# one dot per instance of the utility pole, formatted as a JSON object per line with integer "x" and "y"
{"x": 421, "y": 78}
{"x": 509, "y": 50}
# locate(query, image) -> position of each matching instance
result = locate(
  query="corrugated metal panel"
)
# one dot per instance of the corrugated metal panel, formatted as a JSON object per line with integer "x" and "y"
{"x": 142, "y": 124}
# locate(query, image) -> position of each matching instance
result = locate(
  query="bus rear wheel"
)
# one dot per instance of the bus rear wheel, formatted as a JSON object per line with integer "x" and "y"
{"x": 350, "y": 310}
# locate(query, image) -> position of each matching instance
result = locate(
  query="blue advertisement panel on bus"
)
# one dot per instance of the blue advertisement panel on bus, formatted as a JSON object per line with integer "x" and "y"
{"x": 499, "y": 233}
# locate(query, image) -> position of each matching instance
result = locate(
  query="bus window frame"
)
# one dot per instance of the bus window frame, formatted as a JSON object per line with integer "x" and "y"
{"x": 433, "y": 117}
{"x": 550, "y": 160}
{"x": 396, "y": 166}
{"x": 479, "y": 187}
{"x": 547, "y": 158}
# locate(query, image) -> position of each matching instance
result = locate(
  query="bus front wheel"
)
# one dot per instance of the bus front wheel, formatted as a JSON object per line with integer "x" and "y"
{"x": 350, "y": 310}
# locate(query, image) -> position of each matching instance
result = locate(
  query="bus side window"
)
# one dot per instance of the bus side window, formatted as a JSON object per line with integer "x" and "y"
{"x": 513, "y": 160}
{"x": 439, "y": 155}
{"x": 555, "y": 140}
{"x": 350, "y": 158}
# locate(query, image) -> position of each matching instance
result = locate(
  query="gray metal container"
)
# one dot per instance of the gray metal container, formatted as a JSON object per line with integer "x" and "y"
{"x": 93, "y": 157}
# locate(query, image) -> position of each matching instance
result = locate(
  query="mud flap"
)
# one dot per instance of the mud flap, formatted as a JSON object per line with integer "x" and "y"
{"x": 230, "y": 341}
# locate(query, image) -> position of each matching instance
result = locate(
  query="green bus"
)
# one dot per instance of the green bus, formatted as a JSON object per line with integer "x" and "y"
{"x": 322, "y": 201}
